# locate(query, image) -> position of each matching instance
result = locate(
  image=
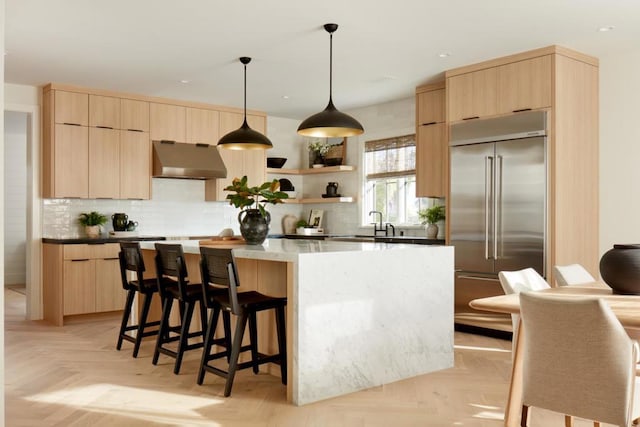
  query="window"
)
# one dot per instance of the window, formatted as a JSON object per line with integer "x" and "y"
{"x": 390, "y": 180}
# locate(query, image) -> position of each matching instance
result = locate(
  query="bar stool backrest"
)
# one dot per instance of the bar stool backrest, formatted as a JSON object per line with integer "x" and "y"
{"x": 218, "y": 267}
{"x": 171, "y": 268}
{"x": 131, "y": 260}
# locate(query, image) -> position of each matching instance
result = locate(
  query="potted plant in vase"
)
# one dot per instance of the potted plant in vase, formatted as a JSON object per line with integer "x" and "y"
{"x": 253, "y": 217}
{"x": 430, "y": 216}
{"x": 92, "y": 223}
{"x": 317, "y": 150}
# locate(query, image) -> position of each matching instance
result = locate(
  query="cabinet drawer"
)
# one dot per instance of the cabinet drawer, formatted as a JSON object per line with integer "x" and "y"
{"x": 77, "y": 252}
{"x": 105, "y": 250}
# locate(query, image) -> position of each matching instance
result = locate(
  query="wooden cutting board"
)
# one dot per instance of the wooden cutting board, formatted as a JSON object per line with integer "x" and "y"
{"x": 232, "y": 240}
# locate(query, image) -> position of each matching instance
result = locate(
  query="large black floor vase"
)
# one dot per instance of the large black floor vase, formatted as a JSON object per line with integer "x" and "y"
{"x": 620, "y": 269}
{"x": 253, "y": 226}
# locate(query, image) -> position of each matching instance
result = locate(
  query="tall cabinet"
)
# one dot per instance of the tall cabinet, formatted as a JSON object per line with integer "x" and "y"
{"x": 432, "y": 160}
{"x": 565, "y": 84}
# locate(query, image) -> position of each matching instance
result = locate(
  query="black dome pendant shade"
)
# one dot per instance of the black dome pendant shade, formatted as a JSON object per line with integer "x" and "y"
{"x": 330, "y": 123}
{"x": 245, "y": 138}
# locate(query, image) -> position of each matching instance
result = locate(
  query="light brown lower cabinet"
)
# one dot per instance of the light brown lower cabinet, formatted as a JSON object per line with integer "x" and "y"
{"x": 80, "y": 279}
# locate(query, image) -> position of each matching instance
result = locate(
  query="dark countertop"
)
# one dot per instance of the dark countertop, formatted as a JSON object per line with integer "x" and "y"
{"x": 87, "y": 240}
{"x": 417, "y": 240}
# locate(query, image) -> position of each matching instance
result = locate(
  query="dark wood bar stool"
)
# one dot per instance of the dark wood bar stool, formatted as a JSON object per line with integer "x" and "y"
{"x": 131, "y": 261}
{"x": 218, "y": 268}
{"x": 173, "y": 284}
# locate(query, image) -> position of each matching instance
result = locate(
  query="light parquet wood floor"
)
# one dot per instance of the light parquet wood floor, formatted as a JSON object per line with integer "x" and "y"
{"x": 73, "y": 376}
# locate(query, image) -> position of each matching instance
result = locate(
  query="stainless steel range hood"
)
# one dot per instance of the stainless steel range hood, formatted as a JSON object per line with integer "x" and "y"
{"x": 190, "y": 161}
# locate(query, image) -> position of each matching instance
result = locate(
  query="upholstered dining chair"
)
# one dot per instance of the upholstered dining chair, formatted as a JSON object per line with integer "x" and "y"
{"x": 578, "y": 360}
{"x": 514, "y": 282}
{"x": 572, "y": 274}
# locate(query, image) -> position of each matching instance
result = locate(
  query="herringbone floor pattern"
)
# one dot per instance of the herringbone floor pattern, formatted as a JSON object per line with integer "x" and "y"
{"x": 73, "y": 376}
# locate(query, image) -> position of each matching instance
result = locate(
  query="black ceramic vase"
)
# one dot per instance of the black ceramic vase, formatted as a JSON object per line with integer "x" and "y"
{"x": 620, "y": 269}
{"x": 253, "y": 226}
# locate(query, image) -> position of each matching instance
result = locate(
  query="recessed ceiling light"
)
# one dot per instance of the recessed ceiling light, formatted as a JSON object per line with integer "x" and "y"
{"x": 184, "y": 81}
{"x": 285, "y": 96}
{"x": 444, "y": 54}
{"x": 605, "y": 29}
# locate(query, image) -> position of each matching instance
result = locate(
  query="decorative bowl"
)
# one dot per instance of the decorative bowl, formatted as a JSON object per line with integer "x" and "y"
{"x": 276, "y": 162}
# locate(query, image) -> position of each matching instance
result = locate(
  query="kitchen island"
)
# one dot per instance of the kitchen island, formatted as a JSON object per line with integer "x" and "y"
{"x": 359, "y": 315}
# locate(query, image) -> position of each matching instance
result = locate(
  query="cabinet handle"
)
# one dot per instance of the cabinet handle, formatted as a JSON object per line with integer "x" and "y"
{"x": 104, "y": 127}
{"x": 522, "y": 109}
{"x": 108, "y": 259}
{"x": 135, "y": 130}
{"x": 167, "y": 141}
{"x": 80, "y": 260}
{"x": 429, "y": 124}
{"x": 104, "y": 198}
{"x": 96, "y": 243}
{"x": 201, "y": 144}
{"x": 71, "y": 124}
{"x": 470, "y": 118}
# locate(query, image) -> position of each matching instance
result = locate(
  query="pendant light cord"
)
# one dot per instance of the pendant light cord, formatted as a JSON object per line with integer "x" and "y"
{"x": 330, "y": 66}
{"x": 245, "y": 93}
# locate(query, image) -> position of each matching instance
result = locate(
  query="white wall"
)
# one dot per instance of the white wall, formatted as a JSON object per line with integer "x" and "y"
{"x": 619, "y": 149}
{"x": 1, "y": 222}
{"x": 15, "y": 197}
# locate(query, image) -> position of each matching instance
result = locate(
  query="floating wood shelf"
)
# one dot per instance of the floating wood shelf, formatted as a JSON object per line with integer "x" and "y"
{"x": 322, "y": 200}
{"x": 326, "y": 169}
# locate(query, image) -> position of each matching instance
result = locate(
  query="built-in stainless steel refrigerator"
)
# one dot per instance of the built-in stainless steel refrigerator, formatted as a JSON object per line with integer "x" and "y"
{"x": 497, "y": 206}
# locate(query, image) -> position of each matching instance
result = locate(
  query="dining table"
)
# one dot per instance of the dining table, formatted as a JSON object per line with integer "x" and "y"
{"x": 625, "y": 307}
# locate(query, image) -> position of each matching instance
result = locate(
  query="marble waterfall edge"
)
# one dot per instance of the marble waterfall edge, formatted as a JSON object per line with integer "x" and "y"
{"x": 366, "y": 319}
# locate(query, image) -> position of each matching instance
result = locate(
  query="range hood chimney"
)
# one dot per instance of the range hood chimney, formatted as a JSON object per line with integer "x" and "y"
{"x": 190, "y": 161}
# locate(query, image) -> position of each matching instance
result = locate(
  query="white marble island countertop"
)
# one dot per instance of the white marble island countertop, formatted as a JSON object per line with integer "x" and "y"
{"x": 359, "y": 314}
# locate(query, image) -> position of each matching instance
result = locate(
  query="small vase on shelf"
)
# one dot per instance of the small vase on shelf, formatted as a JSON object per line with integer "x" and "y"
{"x": 432, "y": 231}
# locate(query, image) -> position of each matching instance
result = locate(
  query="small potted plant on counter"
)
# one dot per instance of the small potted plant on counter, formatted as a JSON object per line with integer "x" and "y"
{"x": 431, "y": 216}
{"x": 92, "y": 223}
{"x": 253, "y": 217}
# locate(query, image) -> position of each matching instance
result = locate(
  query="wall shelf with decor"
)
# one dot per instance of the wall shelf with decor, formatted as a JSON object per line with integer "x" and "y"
{"x": 321, "y": 200}
{"x": 326, "y": 169}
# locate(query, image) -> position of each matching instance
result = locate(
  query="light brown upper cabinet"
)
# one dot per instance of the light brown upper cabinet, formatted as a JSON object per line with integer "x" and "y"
{"x": 71, "y": 108}
{"x": 524, "y": 85}
{"x": 70, "y": 162}
{"x": 430, "y": 107}
{"x": 134, "y": 115}
{"x": 135, "y": 165}
{"x": 104, "y": 163}
{"x": 431, "y": 141}
{"x": 167, "y": 122}
{"x": 252, "y": 163}
{"x": 202, "y": 126}
{"x": 472, "y": 95}
{"x": 104, "y": 111}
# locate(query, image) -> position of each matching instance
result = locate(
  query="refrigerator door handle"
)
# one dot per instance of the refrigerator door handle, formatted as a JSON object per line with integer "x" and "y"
{"x": 497, "y": 217}
{"x": 488, "y": 187}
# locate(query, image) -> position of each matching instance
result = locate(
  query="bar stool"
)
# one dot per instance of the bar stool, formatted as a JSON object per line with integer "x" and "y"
{"x": 131, "y": 260}
{"x": 173, "y": 284}
{"x": 218, "y": 268}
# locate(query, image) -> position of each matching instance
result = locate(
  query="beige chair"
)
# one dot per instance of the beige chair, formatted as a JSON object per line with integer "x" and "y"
{"x": 514, "y": 282}
{"x": 578, "y": 360}
{"x": 573, "y": 274}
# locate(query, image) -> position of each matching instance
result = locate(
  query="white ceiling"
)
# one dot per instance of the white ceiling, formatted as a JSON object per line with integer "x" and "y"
{"x": 382, "y": 49}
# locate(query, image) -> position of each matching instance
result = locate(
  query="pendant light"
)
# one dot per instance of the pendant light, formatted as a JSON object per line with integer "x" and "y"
{"x": 330, "y": 123}
{"x": 245, "y": 138}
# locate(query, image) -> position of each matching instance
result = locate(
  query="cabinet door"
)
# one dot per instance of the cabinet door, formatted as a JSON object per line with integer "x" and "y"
{"x": 110, "y": 295}
{"x": 167, "y": 122}
{"x": 202, "y": 126}
{"x": 431, "y": 161}
{"x": 524, "y": 85}
{"x": 71, "y": 161}
{"x": 79, "y": 292}
{"x": 71, "y": 108}
{"x": 431, "y": 107}
{"x": 472, "y": 95}
{"x": 233, "y": 159}
{"x": 134, "y": 115}
{"x": 104, "y": 163}
{"x": 104, "y": 111}
{"x": 135, "y": 165}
